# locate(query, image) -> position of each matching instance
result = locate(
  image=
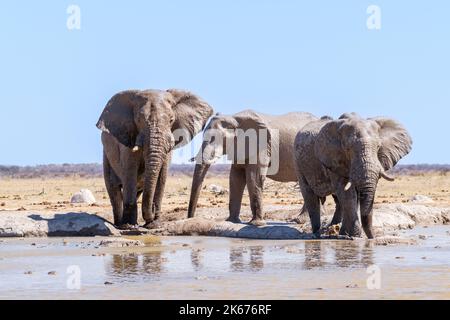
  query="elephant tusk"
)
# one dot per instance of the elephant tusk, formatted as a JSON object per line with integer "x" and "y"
{"x": 386, "y": 176}
{"x": 135, "y": 149}
{"x": 348, "y": 186}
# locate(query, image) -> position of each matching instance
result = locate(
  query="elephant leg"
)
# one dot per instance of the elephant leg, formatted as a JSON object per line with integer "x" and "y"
{"x": 237, "y": 186}
{"x": 255, "y": 176}
{"x": 348, "y": 201}
{"x": 337, "y": 217}
{"x": 112, "y": 183}
{"x": 312, "y": 204}
{"x": 130, "y": 209}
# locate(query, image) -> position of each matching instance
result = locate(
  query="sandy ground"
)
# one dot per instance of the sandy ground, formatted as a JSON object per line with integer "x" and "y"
{"x": 221, "y": 268}
{"x": 50, "y": 195}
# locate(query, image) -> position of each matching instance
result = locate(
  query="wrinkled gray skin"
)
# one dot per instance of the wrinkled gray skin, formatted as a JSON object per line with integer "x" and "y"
{"x": 247, "y": 174}
{"x": 138, "y": 129}
{"x": 346, "y": 158}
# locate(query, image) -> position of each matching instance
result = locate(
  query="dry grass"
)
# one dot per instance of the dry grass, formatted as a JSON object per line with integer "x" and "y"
{"x": 54, "y": 194}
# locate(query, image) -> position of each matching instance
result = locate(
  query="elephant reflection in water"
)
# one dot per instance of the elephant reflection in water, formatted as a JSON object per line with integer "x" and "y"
{"x": 314, "y": 254}
{"x": 256, "y": 262}
{"x": 319, "y": 254}
{"x": 196, "y": 259}
{"x": 136, "y": 264}
{"x": 353, "y": 254}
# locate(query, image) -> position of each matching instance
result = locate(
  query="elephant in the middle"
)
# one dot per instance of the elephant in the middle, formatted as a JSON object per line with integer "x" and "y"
{"x": 276, "y": 160}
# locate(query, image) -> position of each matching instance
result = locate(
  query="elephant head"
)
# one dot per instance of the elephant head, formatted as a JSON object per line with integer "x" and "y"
{"x": 154, "y": 122}
{"x": 361, "y": 151}
{"x": 223, "y": 136}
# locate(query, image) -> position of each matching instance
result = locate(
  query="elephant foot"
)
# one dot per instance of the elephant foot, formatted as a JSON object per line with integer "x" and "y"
{"x": 155, "y": 224}
{"x": 128, "y": 226}
{"x": 257, "y": 222}
{"x": 234, "y": 219}
{"x": 354, "y": 231}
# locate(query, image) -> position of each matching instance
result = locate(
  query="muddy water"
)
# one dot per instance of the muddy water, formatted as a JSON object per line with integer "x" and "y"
{"x": 219, "y": 268}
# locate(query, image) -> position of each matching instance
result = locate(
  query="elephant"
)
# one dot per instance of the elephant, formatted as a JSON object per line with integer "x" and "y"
{"x": 274, "y": 135}
{"x": 346, "y": 158}
{"x": 140, "y": 128}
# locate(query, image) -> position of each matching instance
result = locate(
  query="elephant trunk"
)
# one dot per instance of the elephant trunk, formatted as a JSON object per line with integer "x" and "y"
{"x": 366, "y": 183}
{"x": 154, "y": 156}
{"x": 205, "y": 158}
{"x": 366, "y": 198}
{"x": 197, "y": 181}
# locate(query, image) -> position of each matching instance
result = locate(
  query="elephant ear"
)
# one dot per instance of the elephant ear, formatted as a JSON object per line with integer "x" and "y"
{"x": 191, "y": 115}
{"x": 328, "y": 148}
{"x": 249, "y": 119}
{"x": 395, "y": 142}
{"x": 118, "y": 117}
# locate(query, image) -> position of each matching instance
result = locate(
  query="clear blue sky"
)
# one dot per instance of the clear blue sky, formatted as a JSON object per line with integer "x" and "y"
{"x": 272, "y": 56}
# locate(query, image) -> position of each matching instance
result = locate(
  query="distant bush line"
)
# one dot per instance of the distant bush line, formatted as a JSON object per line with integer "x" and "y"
{"x": 89, "y": 170}
{"x": 92, "y": 170}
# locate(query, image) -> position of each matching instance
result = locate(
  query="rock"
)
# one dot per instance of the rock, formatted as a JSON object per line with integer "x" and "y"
{"x": 201, "y": 226}
{"x": 83, "y": 196}
{"x": 72, "y": 224}
{"x": 391, "y": 240}
{"x": 215, "y": 189}
{"x": 420, "y": 199}
{"x": 389, "y": 217}
{"x": 120, "y": 243}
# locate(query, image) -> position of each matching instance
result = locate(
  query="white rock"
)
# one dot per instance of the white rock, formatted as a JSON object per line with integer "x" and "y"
{"x": 418, "y": 198}
{"x": 36, "y": 224}
{"x": 213, "y": 188}
{"x": 83, "y": 196}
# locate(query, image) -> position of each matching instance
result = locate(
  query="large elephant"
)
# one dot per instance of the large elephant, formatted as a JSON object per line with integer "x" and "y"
{"x": 346, "y": 158}
{"x": 275, "y": 160}
{"x": 139, "y": 130}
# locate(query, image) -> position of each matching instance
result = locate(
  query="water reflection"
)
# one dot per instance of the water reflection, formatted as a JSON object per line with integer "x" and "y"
{"x": 256, "y": 258}
{"x": 196, "y": 259}
{"x": 241, "y": 258}
{"x": 314, "y": 255}
{"x": 352, "y": 254}
{"x": 129, "y": 265}
{"x": 238, "y": 262}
